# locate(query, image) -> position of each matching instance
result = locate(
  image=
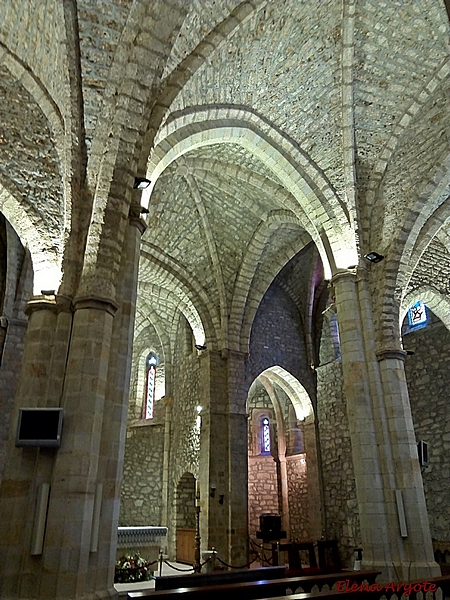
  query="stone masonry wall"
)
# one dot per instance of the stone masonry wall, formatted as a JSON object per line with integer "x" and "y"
{"x": 262, "y": 490}
{"x": 428, "y": 378}
{"x": 341, "y": 508}
{"x": 185, "y": 502}
{"x": 298, "y": 496}
{"x": 142, "y": 478}
{"x": 185, "y": 433}
{"x": 277, "y": 338}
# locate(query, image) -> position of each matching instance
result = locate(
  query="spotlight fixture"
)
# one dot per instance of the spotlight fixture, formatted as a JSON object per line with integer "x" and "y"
{"x": 374, "y": 257}
{"x": 410, "y": 352}
{"x": 48, "y": 292}
{"x": 144, "y": 211}
{"x": 200, "y": 347}
{"x": 140, "y": 183}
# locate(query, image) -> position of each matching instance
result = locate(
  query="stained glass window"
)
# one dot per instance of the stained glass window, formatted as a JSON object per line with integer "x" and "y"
{"x": 417, "y": 314}
{"x": 265, "y": 436}
{"x": 149, "y": 400}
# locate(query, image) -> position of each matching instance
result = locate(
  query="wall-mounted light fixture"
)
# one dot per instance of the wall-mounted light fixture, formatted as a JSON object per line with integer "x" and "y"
{"x": 200, "y": 347}
{"x": 141, "y": 183}
{"x": 374, "y": 257}
{"x": 212, "y": 491}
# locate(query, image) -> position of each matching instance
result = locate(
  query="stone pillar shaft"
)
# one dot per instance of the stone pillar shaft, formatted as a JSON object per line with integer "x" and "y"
{"x": 418, "y": 558}
{"x": 223, "y": 452}
{"x": 383, "y": 446}
{"x": 110, "y": 469}
{"x": 369, "y": 484}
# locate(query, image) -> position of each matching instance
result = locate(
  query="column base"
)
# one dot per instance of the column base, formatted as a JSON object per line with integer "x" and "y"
{"x": 402, "y": 572}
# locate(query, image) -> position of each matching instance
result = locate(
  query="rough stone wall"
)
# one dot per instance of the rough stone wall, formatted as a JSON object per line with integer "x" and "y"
{"x": 142, "y": 478}
{"x": 185, "y": 433}
{"x": 428, "y": 378}
{"x": 185, "y": 436}
{"x": 262, "y": 490}
{"x": 341, "y": 508}
{"x": 185, "y": 502}
{"x": 277, "y": 338}
{"x": 297, "y": 476}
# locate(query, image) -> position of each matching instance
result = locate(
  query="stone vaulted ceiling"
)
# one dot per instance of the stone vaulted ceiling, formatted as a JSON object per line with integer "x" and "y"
{"x": 358, "y": 90}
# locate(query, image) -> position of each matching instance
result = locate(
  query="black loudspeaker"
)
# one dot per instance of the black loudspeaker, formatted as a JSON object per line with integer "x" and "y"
{"x": 422, "y": 449}
{"x": 39, "y": 427}
{"x": 269, "y": 524}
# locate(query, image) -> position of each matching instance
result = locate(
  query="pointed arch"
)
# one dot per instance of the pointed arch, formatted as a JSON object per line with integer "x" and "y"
{"x": 327, "y": 219}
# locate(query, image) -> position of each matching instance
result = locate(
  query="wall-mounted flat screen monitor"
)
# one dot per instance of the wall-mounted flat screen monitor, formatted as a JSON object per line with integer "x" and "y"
{"x": 39, "y": 427}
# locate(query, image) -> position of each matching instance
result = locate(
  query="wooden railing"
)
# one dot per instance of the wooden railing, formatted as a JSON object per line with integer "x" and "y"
{"x": 265, "y": 588}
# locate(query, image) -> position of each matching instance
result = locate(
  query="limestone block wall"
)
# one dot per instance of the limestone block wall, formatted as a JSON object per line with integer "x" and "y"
{"x": 262, "y": 490}
{"x": 428, "y": 378}
{"x": 277, "y": 338}
{"x": 185, "y": 434}
{"x": 185, "y": 502}
{"x": 141, "y": 492}
{"x": 298, "y": 496}
{"x": 339, "y": 490}
{"x": 185, "y": 430}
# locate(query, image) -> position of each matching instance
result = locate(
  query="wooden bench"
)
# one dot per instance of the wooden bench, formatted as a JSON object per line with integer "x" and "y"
{"x": 170, "y": 582}
{"x": 266, "y": 588}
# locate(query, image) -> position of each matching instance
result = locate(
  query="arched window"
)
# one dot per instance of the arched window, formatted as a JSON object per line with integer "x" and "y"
{"x": 265, "y": 436}
{"x": 149, "y": 397}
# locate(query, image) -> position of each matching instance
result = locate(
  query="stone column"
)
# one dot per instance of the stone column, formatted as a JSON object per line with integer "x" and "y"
{"x": 168, "y": 402}
{"x": 383, "y": 446}
{"x": 223, "y": 457}
{"x": 368, "y": 472}
{"x": 66, "y": 562}
{"x": 14, "y": 332}
{"x": 415, "y": 552}
{"x": 238, "y": 457}
{"x": 26, "y": 468}
{"x": 110, "y": 468}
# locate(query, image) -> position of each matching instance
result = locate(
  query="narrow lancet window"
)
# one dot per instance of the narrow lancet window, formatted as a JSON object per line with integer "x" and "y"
{"x": 265, "y": 436}
{"x": 149, "y": 400}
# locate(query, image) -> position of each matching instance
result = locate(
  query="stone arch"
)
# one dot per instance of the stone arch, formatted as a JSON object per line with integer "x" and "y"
{"x": 246, "y": 298}
{"x": 143, "y": 320}
{"x": 294, "y": 390}
{"x": 430, "y": 211}
{"x": 46, "y": 264}
{"x": 29, "y": 225}
{"x": 326, "y": 216}
{"x": 175, "y": 81}
{"x": 186, "y": 294}
{"x": 391, "y": 145}
{"x": 294, "y": 473}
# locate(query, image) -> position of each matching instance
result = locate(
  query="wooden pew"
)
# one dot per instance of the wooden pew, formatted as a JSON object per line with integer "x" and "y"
{"x": 170, "y": 582}
{"x": 257, "y": 589}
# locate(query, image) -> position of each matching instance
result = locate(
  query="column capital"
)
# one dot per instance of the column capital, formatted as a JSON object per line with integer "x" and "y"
{"x": 96, "y": 303}
{"x": 226, "y": 353}
{"x": 64, "y": 303}
{"x": 135, "y": 218}
{"x": 42, "y": 302}
{"x": 344, "y": 274}
{"x": 391, "y": 353}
